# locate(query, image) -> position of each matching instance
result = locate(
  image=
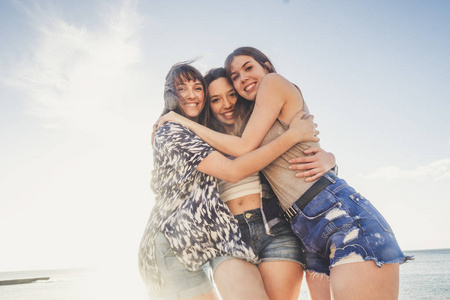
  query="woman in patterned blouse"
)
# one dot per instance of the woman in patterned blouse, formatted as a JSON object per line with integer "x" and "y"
{"x": 188, "y": 223}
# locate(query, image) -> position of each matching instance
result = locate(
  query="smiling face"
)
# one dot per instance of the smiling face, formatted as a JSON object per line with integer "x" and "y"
{"x": 222, "y": 97}
{"x": 192, "y": 96}
{"x": 246, "y": 75}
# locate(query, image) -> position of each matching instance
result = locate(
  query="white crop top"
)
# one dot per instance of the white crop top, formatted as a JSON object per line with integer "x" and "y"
{"x": 247, "y": 186}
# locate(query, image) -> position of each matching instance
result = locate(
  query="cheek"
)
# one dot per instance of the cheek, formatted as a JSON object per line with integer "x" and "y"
{"x": 215, "y": 109}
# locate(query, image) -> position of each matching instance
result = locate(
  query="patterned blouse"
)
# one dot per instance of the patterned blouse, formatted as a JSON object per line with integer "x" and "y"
{"x": 187, "y": 207}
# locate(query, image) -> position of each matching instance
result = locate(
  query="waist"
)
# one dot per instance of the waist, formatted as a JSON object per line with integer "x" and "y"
{"x": 309, "y": 195}
{"x": 251, "y": 215}
{"x": 241, "y": 204}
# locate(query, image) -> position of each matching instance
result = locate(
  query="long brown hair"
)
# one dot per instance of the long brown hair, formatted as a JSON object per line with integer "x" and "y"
{"x": 210, "y": 120}
{"x": 244, "y": 108}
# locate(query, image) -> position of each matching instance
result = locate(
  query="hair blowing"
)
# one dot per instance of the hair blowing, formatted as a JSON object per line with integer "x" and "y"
{"x": 176, "y": 75}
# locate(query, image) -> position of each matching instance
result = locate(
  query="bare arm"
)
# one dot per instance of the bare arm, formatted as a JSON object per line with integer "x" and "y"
{"x": 272, "y": 95}
{"x": 217, "y": 165}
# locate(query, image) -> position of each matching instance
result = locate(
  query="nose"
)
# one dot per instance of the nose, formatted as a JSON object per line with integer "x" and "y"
{"x": 190, "y": 94}
{"x": 227, "y": 103}
{"x": 243, "y": 76}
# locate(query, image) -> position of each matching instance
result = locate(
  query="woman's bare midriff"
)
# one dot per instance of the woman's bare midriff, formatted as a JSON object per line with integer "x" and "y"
{"x": 239, "y": 205}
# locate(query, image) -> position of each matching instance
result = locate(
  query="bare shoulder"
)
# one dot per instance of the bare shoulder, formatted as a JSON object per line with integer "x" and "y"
{"x": 274, "y": 78}
{"x": 276, "y": 82}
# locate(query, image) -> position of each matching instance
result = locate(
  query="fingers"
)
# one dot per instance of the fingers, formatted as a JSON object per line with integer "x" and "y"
{"x": 313, "y": 178}
{"x": 310, "y": 175}
{"x": 301, "y": 160}
{"x": 312, "y": 149}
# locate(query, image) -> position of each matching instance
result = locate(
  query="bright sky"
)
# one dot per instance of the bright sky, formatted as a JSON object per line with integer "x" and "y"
{"x": 81, "y": 83}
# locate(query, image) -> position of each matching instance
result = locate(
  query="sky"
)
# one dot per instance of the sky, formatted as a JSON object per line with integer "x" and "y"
{"x": 81, "y": 84}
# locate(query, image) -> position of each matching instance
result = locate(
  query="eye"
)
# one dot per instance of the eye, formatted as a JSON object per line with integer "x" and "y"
{"x": 232, "y": 95}
{"x": 248, "y": 68}
{"x": 235, "y": 77}
{"x": 214, "y": 100}
{"x": 181, "y": 89}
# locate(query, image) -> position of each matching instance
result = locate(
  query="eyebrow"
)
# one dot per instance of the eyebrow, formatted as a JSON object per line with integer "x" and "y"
{"x": 232, "y": 73}
{"x": 231, "y": 90}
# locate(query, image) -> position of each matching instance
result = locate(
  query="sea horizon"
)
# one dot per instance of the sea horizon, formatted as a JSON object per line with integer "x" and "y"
{"x": 426, "y": 277}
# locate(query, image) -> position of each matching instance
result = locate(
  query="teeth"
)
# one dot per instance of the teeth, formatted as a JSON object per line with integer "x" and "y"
{"x": 228, "y": 114}
{"x": 191, "y": 104}
{"x": 249, "y": 87}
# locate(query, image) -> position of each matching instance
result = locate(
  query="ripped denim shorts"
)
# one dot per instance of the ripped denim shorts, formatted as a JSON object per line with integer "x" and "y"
{"x": 340, "y": 226}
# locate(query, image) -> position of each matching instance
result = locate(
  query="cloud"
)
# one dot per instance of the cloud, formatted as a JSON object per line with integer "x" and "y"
{"x": 87, "y": 77}
{"x": 438, "y": 170}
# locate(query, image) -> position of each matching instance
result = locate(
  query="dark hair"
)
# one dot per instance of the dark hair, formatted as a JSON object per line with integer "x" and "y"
{"x": 176, "y": 74}
{"x": 210, "y": 119}
{"x": 244, "y": 108}
{"x": 257, "y": 55}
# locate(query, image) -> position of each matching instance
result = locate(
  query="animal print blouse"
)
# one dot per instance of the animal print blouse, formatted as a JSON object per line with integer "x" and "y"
{"x": 187, "y": 207}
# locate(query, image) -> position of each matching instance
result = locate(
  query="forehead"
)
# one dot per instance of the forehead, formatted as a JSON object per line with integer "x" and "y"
{"x": 239, "y": 61}
{"x": 179, "y": 80}
{"x": 219, "y": 85}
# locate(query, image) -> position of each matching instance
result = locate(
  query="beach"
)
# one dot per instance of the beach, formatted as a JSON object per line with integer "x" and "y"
{"x": 427, "y": 277}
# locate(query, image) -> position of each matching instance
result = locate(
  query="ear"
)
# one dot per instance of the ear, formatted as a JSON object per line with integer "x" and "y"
{"x": 269, "y": 66}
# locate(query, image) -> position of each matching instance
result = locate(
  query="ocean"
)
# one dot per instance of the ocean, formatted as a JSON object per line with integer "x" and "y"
{"x": 427, "y": 277}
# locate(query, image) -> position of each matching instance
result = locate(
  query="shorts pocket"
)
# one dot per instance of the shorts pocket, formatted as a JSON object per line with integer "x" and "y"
{"x": 314, "y": 231}
{"x": 365, "y": 204}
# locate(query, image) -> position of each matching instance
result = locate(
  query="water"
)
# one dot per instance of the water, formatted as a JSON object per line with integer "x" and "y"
{"x": 427, "y": 277}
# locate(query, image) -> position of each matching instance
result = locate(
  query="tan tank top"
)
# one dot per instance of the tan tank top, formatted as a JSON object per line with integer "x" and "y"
{"x": 286, "y": 186}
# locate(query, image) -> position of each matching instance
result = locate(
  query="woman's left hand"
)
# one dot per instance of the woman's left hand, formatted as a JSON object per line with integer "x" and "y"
{"x": 315, "y": 165}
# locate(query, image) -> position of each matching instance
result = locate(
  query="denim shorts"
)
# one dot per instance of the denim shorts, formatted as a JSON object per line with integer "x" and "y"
{"x": 340, "y": 226}
{"x": 179, "y": 282}
{"x": 282, "y": 245}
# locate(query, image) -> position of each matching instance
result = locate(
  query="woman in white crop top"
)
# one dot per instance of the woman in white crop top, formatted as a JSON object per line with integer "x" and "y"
{"x": 282, "y": 260}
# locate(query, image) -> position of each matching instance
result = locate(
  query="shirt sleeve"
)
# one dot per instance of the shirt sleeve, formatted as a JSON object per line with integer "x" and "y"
{"x": 182, "y": 145}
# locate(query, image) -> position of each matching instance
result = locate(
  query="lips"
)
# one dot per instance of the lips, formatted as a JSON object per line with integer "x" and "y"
{"x": 250, "y": 87}
{"x": 228, "y": 114}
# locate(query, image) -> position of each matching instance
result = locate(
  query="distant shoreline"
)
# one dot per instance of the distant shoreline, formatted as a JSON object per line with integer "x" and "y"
{"x": 22, "y": 281}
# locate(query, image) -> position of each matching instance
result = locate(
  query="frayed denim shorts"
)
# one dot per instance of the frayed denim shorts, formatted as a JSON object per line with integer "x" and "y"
{"x": 340, "y": 226}
{"x": 281, "y": 245}
{"x": 180, "y": 283}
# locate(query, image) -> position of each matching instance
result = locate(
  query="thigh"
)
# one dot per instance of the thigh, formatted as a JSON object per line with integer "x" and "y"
{"x": 365, "y": 280}
{"x": 282, "y": 262}
{"x": 282, "y": 279}
{"x": 237, "y": 279}
{"x": 180, "y": 283}
{"x": 318, "y": 286}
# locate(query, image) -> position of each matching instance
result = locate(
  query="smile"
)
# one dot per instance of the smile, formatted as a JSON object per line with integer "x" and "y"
{"x": 249, "y": 87}
{"x": 191, "y": 104}
{"x": 228, "y": 114}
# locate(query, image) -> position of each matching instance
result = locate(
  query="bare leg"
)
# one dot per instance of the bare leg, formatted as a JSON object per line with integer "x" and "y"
{"x": 238, "y": 279}
{"x": 318, "y": 285}
{"x": 364, "y": 280}
{"x": 282, "y": 279}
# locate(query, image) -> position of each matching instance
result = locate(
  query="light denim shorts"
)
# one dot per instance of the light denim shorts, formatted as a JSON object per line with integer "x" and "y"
{"x": 281, "y": 245}
{"x": 179, "y": 282}
{"x": 341, "y": 226}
